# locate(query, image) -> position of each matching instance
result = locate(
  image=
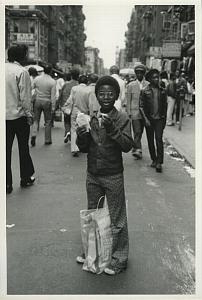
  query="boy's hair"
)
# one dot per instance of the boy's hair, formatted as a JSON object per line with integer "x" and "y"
{"x": 108, "y": 80}
{"x": 17, "y": 53}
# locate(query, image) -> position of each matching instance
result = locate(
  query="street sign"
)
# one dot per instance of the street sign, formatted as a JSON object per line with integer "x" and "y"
{"x": 171, "y": 49}
{"x": 25, "y": 38}
{"x": 155, "y": 51}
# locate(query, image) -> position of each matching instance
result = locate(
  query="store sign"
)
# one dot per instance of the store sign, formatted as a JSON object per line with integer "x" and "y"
{"x": 155, "y": 51}
{"x": 171, "y": 49}
{"x": 25, "y": 38}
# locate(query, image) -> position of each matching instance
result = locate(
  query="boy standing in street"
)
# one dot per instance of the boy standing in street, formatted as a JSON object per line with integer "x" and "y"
{"x": 109, "y": 136}
{"x": 153, "y": 107}
{"x": 133, "y": 94}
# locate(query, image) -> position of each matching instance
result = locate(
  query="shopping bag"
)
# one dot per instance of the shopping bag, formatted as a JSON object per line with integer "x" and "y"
{"x": 96, "y": 237}
{"x": 58, "y": 115}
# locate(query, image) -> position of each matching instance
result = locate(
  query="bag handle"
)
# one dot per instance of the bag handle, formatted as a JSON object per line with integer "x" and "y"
{"x": 99, "y": 201}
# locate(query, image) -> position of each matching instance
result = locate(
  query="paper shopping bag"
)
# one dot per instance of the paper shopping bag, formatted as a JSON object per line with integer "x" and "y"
{"x": 96, "y": 238}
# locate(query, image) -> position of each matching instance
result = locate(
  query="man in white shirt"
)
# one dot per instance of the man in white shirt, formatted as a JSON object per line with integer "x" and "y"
{"x": 45, "y": 87}
{"x": 120, "y": 102}
{"x": 18, "y": 115}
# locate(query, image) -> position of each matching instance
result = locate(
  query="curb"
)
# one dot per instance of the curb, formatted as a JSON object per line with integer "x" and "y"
{"x": 180, "y": 150}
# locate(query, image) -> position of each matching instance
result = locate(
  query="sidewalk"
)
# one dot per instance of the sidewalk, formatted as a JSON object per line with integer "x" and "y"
{"x": 183, "y": 141}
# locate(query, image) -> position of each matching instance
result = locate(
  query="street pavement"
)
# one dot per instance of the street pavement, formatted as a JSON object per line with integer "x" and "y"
{"x": 184, "y": 140}
{"x": 44, "y": 237}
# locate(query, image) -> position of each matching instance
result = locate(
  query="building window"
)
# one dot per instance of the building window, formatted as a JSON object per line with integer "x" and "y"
{"x": 24, "y": 26}
{"x": 16, "y": 28}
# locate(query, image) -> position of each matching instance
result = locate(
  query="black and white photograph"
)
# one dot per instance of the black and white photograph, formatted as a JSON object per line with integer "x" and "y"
{"x": 100, "y": 180}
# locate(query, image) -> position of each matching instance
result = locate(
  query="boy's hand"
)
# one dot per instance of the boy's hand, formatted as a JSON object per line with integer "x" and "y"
{"x": 107, "y": 122}
{"x": 81, "y": 130}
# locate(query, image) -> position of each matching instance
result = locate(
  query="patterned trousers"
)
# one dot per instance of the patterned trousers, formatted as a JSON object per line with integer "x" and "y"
{"x": 113, "y": 187}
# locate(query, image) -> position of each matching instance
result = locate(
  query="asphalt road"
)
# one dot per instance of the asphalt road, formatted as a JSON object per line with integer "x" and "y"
{"x": 44, "y": 237}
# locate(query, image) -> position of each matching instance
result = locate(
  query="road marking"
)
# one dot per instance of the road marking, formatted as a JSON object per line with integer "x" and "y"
{"x": 63, "y": 230}
{"x": 151, "y": 182}
{"x": 10, "y": 225}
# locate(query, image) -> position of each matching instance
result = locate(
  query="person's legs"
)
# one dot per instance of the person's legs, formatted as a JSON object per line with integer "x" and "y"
{"x": 10, "y": 134}
{"x": 37, "y": 116}
{"x": 159, "y": 127}
{"x": 74, "y": 147}
{"x": 138, "y": 127}
{"x": 94, "y": 191}
{"x": 47, "y": 118}
{"x": 177, "y": 109}
{"x": 67, "y": 123}
{"x": 115, "y": 194}
{"x": 150, "y": 140}
{"x": 171, "y": 104}
{"x": 26, "y": 164}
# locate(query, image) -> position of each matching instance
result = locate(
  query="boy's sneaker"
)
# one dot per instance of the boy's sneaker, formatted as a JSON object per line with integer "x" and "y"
{"x": 80, "y": 259}
{"x": 109, "y": 271}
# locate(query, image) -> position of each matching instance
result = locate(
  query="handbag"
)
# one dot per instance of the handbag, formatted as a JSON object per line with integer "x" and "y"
{"x": 96, "y": 237}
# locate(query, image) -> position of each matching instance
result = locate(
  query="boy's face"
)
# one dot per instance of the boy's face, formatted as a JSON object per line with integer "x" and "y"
{"x": 106, "y": 97}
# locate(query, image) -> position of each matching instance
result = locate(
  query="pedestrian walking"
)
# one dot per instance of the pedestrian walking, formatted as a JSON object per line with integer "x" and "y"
{"x": 188, "y": 97}
{"x": 109, "y": 136}
{"x": 33, "y": 74}
{"x": 64, "y": 95}
{"x": 171, "y": 93}
{"x": 79, "y": 99}
{"x": 153, "y": 107}
{"x": 120, "y": 104}
{"x": 18, "y": 115}
{"x": 59, "y": 84}
{"x": 133, "y": 94}
{"x": 45, "y": 102}
{"x": 164, "y": 79}
{"x": 181, "y": 90}
{"x": 93, "y": 102}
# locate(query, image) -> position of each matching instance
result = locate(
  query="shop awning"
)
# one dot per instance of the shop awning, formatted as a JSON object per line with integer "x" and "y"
{"x": 191, "y": 50}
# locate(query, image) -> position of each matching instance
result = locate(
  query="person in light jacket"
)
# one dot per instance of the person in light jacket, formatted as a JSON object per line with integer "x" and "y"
{"x": 18, "y": 115}
{"x": 133, "y": 94}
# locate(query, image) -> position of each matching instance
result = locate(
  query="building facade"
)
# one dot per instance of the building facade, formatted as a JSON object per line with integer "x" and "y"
{"x": 53, "y": 34}
{"x": 159, "y": 33}
{"x": 93, "y": 63}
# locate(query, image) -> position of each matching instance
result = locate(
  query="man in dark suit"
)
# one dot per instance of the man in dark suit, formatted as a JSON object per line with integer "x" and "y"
{"x": 153, "y": 107}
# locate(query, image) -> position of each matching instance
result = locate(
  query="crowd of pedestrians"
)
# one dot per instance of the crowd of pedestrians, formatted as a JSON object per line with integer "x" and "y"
{"x": 151, "y": 100}
{"x": 103, "y": 117}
